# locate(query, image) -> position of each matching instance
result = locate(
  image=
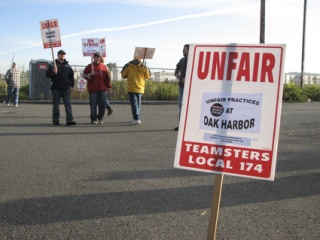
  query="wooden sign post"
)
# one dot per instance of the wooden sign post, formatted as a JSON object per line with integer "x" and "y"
{"x": 215, "y": 207}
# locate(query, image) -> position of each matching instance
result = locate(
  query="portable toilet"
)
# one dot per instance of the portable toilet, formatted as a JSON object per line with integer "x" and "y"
{"x": 39, "y": 84}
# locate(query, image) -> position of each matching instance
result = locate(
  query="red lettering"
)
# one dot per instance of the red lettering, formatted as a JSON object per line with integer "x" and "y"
{"x": 214, "y": 65}
{"x": 53, "y": 24}
{"x": 255, "y": 67}
{"x": 268, "y": 62}
{"x": 231, "y": 64}
{"x": 244, "y": 67}
{"x": 203, "y": 71}
{"x": 218, "y": 65}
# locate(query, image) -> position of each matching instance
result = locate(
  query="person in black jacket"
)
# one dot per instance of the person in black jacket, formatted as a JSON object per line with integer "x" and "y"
{"x": 180, "y": 74}
{"x": 62, "y": 79}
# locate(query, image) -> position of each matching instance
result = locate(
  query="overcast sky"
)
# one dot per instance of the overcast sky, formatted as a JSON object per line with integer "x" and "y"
{"x": 162, "y": 24}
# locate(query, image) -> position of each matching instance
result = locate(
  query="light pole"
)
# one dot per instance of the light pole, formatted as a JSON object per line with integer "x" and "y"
{"x": 303, "y": 38}
{"x": 262, "y": 20}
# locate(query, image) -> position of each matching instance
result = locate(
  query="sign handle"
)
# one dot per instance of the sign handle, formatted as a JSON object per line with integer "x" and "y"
{"x": 212, "y": 231}
{"x": 92, "y": 62}
{"x": 54, "y": 62}
{"x": 144, "y": 55}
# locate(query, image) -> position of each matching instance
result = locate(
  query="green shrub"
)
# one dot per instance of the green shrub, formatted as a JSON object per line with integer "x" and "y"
{"x": 24, "y": 92}
{"x": 80, "y": 95}
{"x": 154, "y": 91}
{"x": 312, "y": 92}
{"x": 118, "y": 91}
{"x": 293, "y": 93}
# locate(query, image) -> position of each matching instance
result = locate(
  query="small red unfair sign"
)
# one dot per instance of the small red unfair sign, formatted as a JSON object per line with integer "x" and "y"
{"x": 50, "y": 32}
{"x": 231, "y": 110}
{"x": 102, "y": 44}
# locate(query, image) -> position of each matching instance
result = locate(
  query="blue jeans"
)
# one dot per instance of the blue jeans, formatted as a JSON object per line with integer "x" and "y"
{"x": 108, "y": 106}
{"x": 181, "y": 88}
{"x": 135, "y": 101}
{"x": 56, "y": 96}
{"x": 97, "y": 100}
{"x": 15, "y": 92}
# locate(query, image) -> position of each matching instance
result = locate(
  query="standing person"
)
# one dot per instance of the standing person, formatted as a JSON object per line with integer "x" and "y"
{"x": 108, "y": 106}
{"x": 12, "y": 78}
{"x": 180, "y": 74}
{"x": 98, "y": 78}
{"x": 62, "y": 79}
{"x": 136, "y": 74}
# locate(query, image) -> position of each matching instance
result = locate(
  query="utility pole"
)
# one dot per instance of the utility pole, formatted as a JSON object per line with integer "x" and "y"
{"x": 303, "y": 38}
{"x": 262, "y": 20}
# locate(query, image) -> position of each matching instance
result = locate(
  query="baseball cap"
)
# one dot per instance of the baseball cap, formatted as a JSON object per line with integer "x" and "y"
{"x": 96, "y": 55}
{"x": 62, "y": 52}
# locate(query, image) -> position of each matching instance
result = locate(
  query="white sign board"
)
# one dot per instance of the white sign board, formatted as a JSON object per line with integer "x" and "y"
{"x": 90, "y": 46}
{"x": 50, "y": 32}
{"x": 231, "y": 109}
{"x": 143, "y": 53}
{"x": 81, "y": 84}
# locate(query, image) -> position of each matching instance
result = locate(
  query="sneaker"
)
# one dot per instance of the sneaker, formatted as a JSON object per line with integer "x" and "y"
{"x": 100, "y": 121}
{"x": 176, "y": 128}
{"x": 136, "y": 122}
{"x": 72, "y": 123}
{"x": 6, "y": 104}
{"x": 16, "y": 105}
{"x": 56, "y": 123}
{"x": 94, "y": 122}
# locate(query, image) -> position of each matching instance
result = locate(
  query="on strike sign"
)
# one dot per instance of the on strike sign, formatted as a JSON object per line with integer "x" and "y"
{"x": 90, "y": 46}
{"x": 50, "y": 32}
{"x": 231, "y": 110}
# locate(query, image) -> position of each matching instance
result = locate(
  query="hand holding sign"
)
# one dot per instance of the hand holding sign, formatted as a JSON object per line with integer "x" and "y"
{"x": 55, "y": 70}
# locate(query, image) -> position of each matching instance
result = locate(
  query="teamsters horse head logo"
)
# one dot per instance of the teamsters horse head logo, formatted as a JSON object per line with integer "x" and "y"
{"x": 216, "y": 110}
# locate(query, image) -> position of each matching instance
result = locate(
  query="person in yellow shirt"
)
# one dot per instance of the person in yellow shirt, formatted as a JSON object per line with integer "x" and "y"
{"x": 136, "y": 74}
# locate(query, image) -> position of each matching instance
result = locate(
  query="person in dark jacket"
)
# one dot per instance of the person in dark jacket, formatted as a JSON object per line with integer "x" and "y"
{"x": 180, "y": 74}
{"x": 62, "y": 79}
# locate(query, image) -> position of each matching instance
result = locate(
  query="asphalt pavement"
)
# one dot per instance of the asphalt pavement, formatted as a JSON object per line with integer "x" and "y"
{"x": 116, "y": 181}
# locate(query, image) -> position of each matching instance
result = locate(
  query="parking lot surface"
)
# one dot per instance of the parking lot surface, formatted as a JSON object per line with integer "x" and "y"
{"x": 116, "y": 181}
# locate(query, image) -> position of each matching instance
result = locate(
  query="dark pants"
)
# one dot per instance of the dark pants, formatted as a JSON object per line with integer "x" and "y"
{"x": 56, "y": 96}
{"x": 181, "y": 88}
{"x": 12, "y": 92}
{"x": 135, "y": 101}
{"x": 97, "y": 100}
{"x": 108, "y": 106}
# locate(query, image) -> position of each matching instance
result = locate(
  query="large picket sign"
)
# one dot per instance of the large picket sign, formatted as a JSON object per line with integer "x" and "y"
{"x": 50, "y": 32}
{"x": 231, "y": 110}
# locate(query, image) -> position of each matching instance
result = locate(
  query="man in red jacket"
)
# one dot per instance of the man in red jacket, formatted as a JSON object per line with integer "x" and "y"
{"x": 98, "y": 83}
